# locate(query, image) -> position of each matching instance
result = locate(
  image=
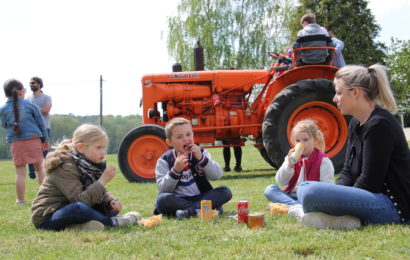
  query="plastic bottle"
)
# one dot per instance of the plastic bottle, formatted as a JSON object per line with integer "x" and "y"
{"x": 294, "y": 157}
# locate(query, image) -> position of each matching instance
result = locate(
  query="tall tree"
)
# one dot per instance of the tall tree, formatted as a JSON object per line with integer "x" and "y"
{"x": 352, "y": 22}
{"x": 234, "y": 33}
{"x": 398, "y": 62}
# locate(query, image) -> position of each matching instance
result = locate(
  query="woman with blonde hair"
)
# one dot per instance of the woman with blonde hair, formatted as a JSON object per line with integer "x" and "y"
{"x": 374, "y": 185}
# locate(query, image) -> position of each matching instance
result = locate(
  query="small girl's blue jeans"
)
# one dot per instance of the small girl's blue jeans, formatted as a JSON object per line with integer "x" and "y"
{"x": 277, "y": 195}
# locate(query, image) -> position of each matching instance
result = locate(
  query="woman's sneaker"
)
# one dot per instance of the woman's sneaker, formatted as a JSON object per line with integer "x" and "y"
{"x": 321, "y": 220}
{"x": 296, "y": 211}
{"x": 92, "y": 225}
{"x": 130, "y": 218}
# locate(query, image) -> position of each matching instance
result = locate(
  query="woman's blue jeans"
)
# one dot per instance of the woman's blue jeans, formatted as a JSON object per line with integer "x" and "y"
{"x": 75, "y": 213}
{"x": 276, "y": 195}
{"x": 338, "y": 200}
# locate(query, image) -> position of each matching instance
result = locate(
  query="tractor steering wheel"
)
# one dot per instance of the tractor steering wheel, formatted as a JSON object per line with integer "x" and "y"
{"x": 274, "y": 55}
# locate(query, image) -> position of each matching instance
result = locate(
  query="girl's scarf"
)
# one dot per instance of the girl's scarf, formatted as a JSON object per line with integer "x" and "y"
{"x": 312, "y": 169}
{"x": 90, "y": 172}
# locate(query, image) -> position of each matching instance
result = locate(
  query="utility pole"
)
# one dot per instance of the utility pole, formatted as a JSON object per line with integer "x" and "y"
{"x": 101, "y": 100}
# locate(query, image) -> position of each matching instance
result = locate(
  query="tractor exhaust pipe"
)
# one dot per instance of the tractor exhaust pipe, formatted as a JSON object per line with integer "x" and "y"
{"x": 198, "y": 56}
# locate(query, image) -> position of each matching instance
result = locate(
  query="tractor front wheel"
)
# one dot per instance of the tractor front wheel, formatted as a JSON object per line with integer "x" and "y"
{"x": 139, "y": 152}
{"x": 307, "y": 99}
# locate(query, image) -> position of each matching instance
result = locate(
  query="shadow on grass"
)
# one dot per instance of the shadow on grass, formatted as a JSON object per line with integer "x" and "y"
{"x": 10, "y": 183}
{"x": 250, "y": 174}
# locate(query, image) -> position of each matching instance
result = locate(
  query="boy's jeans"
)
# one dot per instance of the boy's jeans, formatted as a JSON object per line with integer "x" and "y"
{"x": 168, "y": 203}
{"x": 75, "y": 213}
{"x": 338, "y": 200}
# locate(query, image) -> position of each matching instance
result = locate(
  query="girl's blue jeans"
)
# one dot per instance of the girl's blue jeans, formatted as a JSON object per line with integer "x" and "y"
{"x": 75, "y": 213}
{"x": 276, "y": 195}
{"x": 338, "y": 200}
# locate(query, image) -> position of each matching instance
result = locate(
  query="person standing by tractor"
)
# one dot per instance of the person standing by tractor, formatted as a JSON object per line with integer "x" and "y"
{"x": 182, "y": 174}
{"x": 338, "y": 60}
{"x": 312, "y": 35}
{"x": 374, "y": 185}
{"x": 43, "y": 102}
{"x": 237, "y": 150}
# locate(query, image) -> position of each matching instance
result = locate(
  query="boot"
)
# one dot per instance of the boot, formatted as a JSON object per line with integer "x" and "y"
{"x": 92, "y": 225}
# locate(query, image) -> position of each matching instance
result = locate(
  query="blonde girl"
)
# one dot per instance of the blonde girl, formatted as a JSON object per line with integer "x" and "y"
{"x": 313, "y": 165}
{"x": 25, "y": 133}
{"x": 374, "y": 185}
{"x": 73, "y": 194}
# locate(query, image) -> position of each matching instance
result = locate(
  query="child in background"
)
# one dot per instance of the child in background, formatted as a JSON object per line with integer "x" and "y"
{"x": 182, "y": 174}
{"x": 25, "y": 133}
{"x": 313, "y": 165}
{"x": 73, "y": 194}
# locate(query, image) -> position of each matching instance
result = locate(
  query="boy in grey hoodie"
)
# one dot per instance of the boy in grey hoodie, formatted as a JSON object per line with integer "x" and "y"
{"x": 312, "y": 35}
{"x": 183, "y": 174}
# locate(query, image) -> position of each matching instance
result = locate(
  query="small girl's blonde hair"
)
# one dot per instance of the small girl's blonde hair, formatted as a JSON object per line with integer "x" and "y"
{"x": 84, "y": 134}
{"x": 309, "y": 126}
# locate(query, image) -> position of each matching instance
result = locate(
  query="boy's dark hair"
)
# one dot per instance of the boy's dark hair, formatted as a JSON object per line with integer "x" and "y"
{"x": 171, "y": 124}
{"x": 11, "y": 88}
{"x": 309, "y": 18}
{"x": 38, "y": 80}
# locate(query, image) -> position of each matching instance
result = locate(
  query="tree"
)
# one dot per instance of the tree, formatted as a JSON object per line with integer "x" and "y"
{"x": 398, "y": 62}
{"x": 352, "y": 22}
{"x": 234, "y": 33}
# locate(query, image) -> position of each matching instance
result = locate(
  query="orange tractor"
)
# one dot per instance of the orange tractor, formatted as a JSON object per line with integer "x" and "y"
{"x": 223, "y": 106}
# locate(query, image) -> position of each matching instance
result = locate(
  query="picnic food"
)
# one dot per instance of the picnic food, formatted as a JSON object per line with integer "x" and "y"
{"x": 256, "y": 220}
{"x": 294, "y": 157}
{"x": 206, "y": 211}
{"x": 152, "y": 221}
{"x": 278, "y": 209}
{"x": 242, "y": 211}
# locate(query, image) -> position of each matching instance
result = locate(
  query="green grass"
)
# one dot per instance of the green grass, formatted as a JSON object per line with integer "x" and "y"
{"x": 282, "y": 238}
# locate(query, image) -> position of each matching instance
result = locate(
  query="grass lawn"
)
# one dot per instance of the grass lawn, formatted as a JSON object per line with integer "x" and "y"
{"x": 282, "y": 237}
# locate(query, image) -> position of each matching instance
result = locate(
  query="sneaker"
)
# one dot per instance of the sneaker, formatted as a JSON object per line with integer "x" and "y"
{"x": 32, "y": 175}
{"x": 296, "y": 211}
{"x": 321, "y": 220}
{"x": 129, "y": 218}
{"x": 227, "y": 169}
{"x": 92, "y": 225}
{"x": 20, "y": 202}
{"x": 220, "y": 210}
{"x": 238, "y": 168}
{"x": 185, "y": 213}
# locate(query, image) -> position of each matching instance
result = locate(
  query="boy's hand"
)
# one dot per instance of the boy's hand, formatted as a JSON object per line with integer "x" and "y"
{"x": 108, "y": 174}
{"x": 195, "y": 150}
{"x": 181, "y": 162}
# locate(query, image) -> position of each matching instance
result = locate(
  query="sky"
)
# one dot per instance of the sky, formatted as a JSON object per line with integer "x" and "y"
{"x": 69, "y": 44}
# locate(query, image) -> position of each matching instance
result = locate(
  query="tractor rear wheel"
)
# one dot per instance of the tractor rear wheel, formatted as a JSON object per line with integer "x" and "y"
{"x": 139, "y": 151}
{"x": 264, "y": 153}
{"x": 307, "y": 99}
